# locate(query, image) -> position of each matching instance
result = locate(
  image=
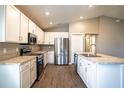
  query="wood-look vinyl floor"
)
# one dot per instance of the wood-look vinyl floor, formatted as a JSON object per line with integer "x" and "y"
{"x": 59, "y": 77}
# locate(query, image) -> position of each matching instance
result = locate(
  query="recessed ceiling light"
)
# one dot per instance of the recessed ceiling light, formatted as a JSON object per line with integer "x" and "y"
{"x": 47, "y": 13}
{"x": 90, "y": 5}
{"x": 81, "y": 17}
{"x": 51, "y": 23}
{"x": 117, "y": 20}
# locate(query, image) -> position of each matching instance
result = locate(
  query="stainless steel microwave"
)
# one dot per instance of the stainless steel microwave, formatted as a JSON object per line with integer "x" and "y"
{"x": 32, "y": 38}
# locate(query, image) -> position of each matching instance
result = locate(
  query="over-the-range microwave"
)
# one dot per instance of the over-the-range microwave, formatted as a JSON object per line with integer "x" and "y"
{"x": 32, "y": 38}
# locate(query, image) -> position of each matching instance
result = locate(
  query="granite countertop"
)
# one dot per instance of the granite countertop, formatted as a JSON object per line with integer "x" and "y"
{"x": 104, "y": 59}
{"x": 17, "y": 60}
{"x": 40, "y": 52}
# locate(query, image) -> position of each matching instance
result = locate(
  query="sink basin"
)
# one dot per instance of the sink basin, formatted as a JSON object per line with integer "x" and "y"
{"x": 90, "y": 55}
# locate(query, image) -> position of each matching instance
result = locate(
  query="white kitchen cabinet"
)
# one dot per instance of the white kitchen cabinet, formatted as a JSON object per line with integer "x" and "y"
{"x": 18, "y": 75}
{"x": 32, "y": 27}
{"x": 51, "y": 57}
{"x": 25, "y": 75}
{"x": 91, "y": 75}
{"x": 97, "y": 75}
{"x": 32, "y": 71}
{"x": 9, "y": 24}
{"x": 82, "y": 69}
{"x": 23, "y": 35}
{"x": 40, "y": 35}
{"x": 12, "y": 24}
{"x": 49, "y": 36}
{"x": 45, "y": 58}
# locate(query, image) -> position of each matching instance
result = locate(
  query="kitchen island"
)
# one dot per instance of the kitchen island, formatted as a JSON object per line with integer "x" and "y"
{"x": 103, "y": 71}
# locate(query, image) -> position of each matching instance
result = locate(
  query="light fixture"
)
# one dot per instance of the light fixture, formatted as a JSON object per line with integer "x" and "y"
{"x": 81, "y": 17}
{"x": 90, "y": 5}
{"x": 117, "y": 20}
{"x": 47, "y": 13}
{"x": 51, "y": 22}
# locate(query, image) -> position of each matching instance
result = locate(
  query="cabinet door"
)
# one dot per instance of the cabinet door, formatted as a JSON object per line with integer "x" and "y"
{"x": 32, "y": 27}
{"x": 38, "y": 33}
{"x": 25, "y": 78}
{"x": 45, "y": 58}
{"x": 51, "y": 57}
{"x": 91, "y": 75}
{"x": 33, "y": 72}
{"x": 23, "y": 38}
{"x": 79, "y": 66}
{"x": 12, "y": 24}
{"x": 42, "y": 37}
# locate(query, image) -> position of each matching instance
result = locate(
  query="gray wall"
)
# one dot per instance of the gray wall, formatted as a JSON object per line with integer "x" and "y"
{"x": 58, "y": 28}
{"x": 111, "y": 37}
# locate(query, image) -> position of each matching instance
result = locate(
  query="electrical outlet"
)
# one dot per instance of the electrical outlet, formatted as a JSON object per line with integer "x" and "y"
{"x": 4, "y": 50}
{"x": 17, "y": 50}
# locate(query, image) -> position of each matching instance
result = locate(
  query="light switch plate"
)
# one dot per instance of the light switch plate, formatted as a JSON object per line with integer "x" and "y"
{"x": 4, "y": 50}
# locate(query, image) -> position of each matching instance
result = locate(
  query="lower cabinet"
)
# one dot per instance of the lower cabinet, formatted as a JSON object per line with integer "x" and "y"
{"x": 51, "y": 57}
{"x": 25, "y": 75}
{"x": 28, "y": 73}
{"x": 97, "y": 75}
{"x": 33, "y": 74}
{"x": 45, "y": 58}
{"x": 48, "y": 58}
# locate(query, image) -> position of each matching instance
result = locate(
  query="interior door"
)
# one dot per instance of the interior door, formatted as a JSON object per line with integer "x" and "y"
{"x": 76, "y": 44}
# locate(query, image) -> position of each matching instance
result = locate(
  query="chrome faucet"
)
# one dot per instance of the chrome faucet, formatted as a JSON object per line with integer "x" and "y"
{"x": 93, "y": 49}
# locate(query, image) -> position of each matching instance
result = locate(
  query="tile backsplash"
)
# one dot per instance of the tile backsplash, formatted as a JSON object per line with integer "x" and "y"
{"x": 47, "y": 47}
{"x": 8, "y": 50}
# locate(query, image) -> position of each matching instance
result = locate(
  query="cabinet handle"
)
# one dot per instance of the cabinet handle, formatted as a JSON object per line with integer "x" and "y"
{"x": 88, "y": 64}
{"x": 85, "y": 69}
{"x": 80, "y": 64}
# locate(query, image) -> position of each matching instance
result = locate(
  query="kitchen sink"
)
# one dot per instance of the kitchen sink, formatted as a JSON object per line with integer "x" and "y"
{"x": 90, "y": 55}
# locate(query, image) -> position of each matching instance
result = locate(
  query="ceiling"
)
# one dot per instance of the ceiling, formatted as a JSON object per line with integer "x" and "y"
{"x": 64, "y": 14}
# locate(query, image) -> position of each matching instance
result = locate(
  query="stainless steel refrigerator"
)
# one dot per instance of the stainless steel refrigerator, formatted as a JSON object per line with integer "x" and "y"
{"x": 61, "y": 51}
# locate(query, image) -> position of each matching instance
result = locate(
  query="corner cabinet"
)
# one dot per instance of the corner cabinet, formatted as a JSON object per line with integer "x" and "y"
{"x": 9, "y": 24}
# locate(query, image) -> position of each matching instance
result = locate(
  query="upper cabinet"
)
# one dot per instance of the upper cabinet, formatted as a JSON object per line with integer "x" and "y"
{"x": 49, "y": 36}
{"x": 86, "y": 26}
{"x": 40, "y": 35}
{"x": 14, "y": 26}
{"x": 23, "y": 36}
{"x": 32, "y": 27}
{"x": 9, "y": 24}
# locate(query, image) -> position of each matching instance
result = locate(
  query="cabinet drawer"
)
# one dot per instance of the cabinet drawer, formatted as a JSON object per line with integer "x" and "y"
{"x": 25, "y": 66}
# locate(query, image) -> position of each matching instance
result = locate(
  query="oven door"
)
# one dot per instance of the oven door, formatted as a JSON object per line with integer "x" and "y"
{"x": 40, "y": 67}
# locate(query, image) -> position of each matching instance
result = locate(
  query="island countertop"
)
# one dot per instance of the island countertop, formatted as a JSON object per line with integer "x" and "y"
{"x": 104, "y": 59}
{"x": 17, "y": 60}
